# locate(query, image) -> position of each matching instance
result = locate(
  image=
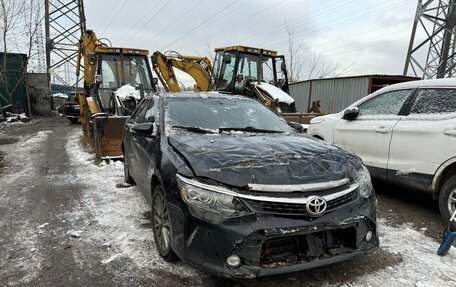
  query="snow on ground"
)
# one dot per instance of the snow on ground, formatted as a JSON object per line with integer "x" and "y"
{"x": 28, "y": 259}
{"x": 122, "y": 228}
{"x": 120, "y": 215}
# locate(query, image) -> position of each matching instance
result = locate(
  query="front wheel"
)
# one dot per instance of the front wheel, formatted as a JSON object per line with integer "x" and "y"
{"x": 162, "y": 225}
{"x": 447, "y": 199}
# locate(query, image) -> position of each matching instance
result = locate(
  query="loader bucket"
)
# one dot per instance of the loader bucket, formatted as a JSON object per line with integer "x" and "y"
{"x": 108, "y": 131}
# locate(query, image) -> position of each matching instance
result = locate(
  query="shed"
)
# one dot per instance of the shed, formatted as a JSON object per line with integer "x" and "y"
{"x": 335, "y": 94}
{"x": 16, "y": 67}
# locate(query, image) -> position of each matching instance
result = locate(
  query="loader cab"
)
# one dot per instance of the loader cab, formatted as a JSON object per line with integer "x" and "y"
{"x": 236, "y": 66}
{"x": 115, "y": 68}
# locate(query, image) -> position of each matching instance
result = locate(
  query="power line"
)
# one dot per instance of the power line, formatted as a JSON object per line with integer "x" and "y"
{"x": 171, "y": 24}
{"x": 345, "y": 22}
{"x": 277, "y": 30}
{"x": 201, "y": 24}
{"x": 150, "y": 19}
{"x": 114, "y": 17}
{"x": 142, "y": 19}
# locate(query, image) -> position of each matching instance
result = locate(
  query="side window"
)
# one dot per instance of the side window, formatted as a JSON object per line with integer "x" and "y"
{"x": 139, "y": 114}
{"x": 434, "y": 101}
{"x": 385, "y": 104}
{"x": 150, "y": 113}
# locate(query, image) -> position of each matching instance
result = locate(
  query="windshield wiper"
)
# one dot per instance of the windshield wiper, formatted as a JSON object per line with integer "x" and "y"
{"x": 249, "y": 129}
{"x": 194, "y": 129}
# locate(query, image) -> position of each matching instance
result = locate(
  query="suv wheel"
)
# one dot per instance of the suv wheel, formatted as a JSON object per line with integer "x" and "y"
{"x": 447, "y": 198}
{"x": 161, "y": 225}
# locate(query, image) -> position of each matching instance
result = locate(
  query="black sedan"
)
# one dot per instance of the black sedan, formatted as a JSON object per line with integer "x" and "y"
{"x": 238, "y": 192}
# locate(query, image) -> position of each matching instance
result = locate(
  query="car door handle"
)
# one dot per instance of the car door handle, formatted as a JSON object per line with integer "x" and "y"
{"x": 382, "y": 130}
{"x": 450, "y": 132}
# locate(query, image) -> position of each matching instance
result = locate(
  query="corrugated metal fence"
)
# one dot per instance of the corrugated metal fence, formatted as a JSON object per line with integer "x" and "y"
{"x": 334, "y": 94}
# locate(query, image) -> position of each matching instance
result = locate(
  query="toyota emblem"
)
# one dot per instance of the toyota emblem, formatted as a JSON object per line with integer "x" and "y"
{"x": 316, "y": 205}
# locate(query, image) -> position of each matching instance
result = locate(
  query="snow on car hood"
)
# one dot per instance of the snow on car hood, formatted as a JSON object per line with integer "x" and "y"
{"x": 276, "y": 93}
{"x": 238, "y": 160}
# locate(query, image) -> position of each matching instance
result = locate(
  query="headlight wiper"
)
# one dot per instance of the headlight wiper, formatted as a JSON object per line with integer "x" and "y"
{"x": 249, "y": 129}
{"x": 195, "y": 129}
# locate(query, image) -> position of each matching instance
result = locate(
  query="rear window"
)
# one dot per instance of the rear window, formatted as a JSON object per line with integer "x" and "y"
{"x": 434, "y": 101}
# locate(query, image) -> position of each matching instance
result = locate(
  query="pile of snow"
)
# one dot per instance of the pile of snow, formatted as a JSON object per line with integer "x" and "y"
{"x": 60, "y": 95}
{"x": 128, "y": 91}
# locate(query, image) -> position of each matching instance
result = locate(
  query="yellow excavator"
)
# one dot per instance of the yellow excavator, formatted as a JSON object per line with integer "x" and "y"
{"x": 115, "y": 80}
{"x": 254, "y": 72}
{"x": 199, "y": 68}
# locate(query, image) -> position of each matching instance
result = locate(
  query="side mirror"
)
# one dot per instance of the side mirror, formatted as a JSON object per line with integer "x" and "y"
{"x": 297, "y": 126}
{"x": 154, "y": 81}
{"x": 144, "y": 129}
{"x": 283, "y": 68}
{"x": 351, "y": 114}
{"x": 98, "y": 79}
{"x": 226, "y": 58}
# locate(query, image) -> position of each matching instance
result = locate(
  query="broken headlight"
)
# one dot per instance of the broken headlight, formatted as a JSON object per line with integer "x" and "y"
{"x": 362, "y": 177}
{"x": 209, "y": 202}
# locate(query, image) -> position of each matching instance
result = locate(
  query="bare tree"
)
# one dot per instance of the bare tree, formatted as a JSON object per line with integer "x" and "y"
{"x": 295, "y": 62}
{"x": 19, "y": 23}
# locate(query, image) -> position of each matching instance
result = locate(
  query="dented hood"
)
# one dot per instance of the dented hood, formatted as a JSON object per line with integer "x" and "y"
{"x": 238, "y": 160}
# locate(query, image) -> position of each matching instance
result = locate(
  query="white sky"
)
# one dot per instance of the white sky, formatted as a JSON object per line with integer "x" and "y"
{"x": 366, "y": 36}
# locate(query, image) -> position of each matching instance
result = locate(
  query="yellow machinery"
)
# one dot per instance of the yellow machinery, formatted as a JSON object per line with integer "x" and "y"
{"x": 254, "y": 72}
{"x": 104, "y": 108}
{"x": 199, "y": 68}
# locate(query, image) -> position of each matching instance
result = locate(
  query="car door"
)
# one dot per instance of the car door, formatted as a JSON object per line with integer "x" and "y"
{"x": 369, "y": 134}
{"x": 145, "y": 148}
{"x": 425, "y": 138}
{"x": 130, "y": 155}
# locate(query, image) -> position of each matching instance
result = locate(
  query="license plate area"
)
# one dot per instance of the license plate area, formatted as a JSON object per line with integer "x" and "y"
{"x": 289, "y": 250}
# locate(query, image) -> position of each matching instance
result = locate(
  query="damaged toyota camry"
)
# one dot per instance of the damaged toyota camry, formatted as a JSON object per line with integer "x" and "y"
{"x": 237, "y": 191}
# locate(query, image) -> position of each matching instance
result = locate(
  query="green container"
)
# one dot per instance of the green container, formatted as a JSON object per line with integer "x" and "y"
{"x": 16, "y": 67}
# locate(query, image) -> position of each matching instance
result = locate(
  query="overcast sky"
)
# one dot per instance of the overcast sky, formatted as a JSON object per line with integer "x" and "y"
{"x": 361, "y": 36}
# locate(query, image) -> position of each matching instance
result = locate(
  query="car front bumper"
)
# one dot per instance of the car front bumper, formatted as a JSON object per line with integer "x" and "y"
{"x": 269, "y": 244}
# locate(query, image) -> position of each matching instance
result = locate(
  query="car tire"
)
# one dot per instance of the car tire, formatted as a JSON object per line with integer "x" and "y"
{"x": 161, "y": 225}
{"x": 73, "y": 120}
{"x": 447, "y": 199}
{"x": 127, "y": 176}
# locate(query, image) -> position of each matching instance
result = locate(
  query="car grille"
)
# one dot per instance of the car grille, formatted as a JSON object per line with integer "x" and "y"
{"x": 298, "y": 209}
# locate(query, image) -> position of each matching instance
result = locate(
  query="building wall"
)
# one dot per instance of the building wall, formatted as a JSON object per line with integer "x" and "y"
{"x": 334, "y": 94}
{"x": 300, "y": 93}
{"x": 38, "y": 88}
{"x": 337, "y": 94}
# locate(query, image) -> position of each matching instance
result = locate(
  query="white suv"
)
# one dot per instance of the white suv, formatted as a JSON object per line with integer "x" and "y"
{"x": 405, "y": 134}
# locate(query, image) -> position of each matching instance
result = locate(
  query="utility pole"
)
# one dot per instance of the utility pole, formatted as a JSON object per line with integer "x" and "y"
{"x": 433, "y": 55}
{"x": 65, "y": 23}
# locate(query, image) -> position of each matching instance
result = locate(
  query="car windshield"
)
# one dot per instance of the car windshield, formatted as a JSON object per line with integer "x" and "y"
{"x": 222, "y": 114}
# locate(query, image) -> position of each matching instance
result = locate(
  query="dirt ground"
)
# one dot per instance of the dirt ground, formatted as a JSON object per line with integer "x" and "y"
{"x": 40, "y": 246}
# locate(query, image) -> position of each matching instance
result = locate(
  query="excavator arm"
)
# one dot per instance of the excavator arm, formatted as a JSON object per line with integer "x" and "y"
{"x": 199, "y": 68}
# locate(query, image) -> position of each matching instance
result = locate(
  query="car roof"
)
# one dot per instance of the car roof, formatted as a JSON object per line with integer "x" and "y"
{"x": 202, "y": 95}
{"x": 429, "y": 83}
{"x": 420, "y": 84}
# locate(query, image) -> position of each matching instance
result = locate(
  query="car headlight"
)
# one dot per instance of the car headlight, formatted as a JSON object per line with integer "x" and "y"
{"x": 362, "y": 177}
{"x": 209, "y": 202}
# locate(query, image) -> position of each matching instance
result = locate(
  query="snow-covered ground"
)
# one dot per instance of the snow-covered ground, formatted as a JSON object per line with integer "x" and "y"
{"x": 119, "y": 215}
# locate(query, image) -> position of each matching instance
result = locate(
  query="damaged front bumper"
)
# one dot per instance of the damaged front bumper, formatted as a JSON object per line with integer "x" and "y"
{"x": 268, "y": 244}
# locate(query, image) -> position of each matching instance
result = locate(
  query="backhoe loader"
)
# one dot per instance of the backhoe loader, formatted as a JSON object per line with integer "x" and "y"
{"x": 115, "y": 80}
{"x": 253, "y": 72}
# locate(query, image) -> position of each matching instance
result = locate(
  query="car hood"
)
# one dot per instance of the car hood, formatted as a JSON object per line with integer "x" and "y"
{"x": 263, "y": 159}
